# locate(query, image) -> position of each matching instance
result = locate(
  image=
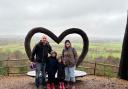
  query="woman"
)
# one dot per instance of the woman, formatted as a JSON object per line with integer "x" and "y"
{"x": 69, "y": 56}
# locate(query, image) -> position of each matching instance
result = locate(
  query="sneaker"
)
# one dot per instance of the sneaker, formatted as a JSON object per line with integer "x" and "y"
{"x": 44, "y": 87}
{"x": 73, "y": 85}
{"x": 67, "y": 85}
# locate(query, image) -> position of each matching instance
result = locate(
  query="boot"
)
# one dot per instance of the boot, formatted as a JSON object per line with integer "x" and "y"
{"x": 48, "y": 86}
{"x": 63, "y": 87}
{"x": 40, "y": 87}
{"x": 73, "y": 85}
{"x": 53, "y": 86}
{"x": 60, "y": 85}
{"x": 67, "y": 85}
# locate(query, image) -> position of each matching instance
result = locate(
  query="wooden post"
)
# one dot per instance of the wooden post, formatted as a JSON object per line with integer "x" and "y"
{"x": 7, "y": 66}
{"x": 104, "y": 69}
{"x": 95, "y": 68}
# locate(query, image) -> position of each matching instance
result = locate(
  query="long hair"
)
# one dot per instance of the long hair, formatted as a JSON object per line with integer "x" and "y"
{"x": 67, "y": 41}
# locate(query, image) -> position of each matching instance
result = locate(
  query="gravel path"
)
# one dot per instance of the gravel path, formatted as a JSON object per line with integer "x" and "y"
{"x": 88, "y": 82}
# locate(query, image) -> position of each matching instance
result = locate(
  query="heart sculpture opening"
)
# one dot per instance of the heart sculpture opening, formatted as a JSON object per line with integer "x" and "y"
{"x": 58, "y": 40}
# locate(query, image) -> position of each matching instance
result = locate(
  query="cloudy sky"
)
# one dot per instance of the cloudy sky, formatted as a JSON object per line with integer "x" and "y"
{"x": 98, "y": 18}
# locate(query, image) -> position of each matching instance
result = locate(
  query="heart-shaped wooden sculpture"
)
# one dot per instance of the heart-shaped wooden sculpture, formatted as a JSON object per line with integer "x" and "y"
{"x": 58, "y": 40}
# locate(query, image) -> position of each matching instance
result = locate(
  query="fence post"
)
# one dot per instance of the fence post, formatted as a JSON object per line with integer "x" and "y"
{"x": 7, "y": 66}
{"x": 95, "y": 68}
{"x": 104, "y": 68}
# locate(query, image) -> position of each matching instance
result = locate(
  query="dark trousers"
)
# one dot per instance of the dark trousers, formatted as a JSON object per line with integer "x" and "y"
{"x": 60, "y": 80}
{"x": 51, "y": 78}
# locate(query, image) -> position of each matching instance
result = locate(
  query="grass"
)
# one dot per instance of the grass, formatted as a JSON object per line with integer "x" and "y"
{"x": 96, "y": 50}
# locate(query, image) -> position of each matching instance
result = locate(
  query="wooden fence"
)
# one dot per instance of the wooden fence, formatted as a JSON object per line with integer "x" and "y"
{"x": 102, "y": 69}
{"x": 14, "y": 67}
{"x": 18, "y": 67}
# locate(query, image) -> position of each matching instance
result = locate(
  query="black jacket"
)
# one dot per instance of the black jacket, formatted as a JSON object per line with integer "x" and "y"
{"x": 51, "y": 65}
{"x": 41, "y": 52}
{"x": 61, "y": 71}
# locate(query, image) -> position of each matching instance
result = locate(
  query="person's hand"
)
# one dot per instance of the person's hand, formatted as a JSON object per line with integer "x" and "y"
{"x": 64, "y": 62}
{"x": 29, "y": 62}
{"x": 32, "y": 65}
{"x": 46, "y": 72}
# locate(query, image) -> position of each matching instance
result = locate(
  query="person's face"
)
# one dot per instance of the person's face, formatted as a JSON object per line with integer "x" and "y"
{"x": 67, "y": 44}
{"x": 59, "y": 60}
{"x": 44, "y": 39}
{"x": 53, "y": 55}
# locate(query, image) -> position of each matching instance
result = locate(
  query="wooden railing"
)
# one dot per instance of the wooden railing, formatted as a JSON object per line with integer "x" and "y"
{"x": 18, "y": 67}
{"x": 14, "y": 67}
{"x": 102, "y": 69}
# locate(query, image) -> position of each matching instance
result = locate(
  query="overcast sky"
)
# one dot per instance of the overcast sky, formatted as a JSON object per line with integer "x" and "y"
{"x": 98, "y": 18}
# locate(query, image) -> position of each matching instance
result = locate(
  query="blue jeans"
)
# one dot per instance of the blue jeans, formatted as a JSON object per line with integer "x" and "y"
{"x": 40, "y": 74}
{"x": 70, "y": 74}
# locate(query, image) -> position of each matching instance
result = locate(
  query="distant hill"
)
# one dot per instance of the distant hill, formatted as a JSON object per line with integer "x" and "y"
{"x": 5, "y": 39}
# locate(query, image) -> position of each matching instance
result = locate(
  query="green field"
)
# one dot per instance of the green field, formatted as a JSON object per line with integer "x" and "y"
{"x": 95, "y": 49}
{"x": 101, "y": 52}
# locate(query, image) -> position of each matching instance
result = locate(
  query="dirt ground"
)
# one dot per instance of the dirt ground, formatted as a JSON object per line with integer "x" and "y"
{"x": 87, "y": 82}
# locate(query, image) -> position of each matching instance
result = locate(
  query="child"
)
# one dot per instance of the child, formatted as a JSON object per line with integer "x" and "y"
{"x": 51, "y": 69}
{"x": 61, "y": 73}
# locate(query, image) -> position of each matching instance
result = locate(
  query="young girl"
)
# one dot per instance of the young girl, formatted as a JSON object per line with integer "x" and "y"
{"x": 61, "y": 73}
{"x": 51, "y": 69}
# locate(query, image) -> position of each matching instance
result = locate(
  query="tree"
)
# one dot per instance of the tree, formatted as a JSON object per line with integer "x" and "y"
{"x": 123, "y": 69}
